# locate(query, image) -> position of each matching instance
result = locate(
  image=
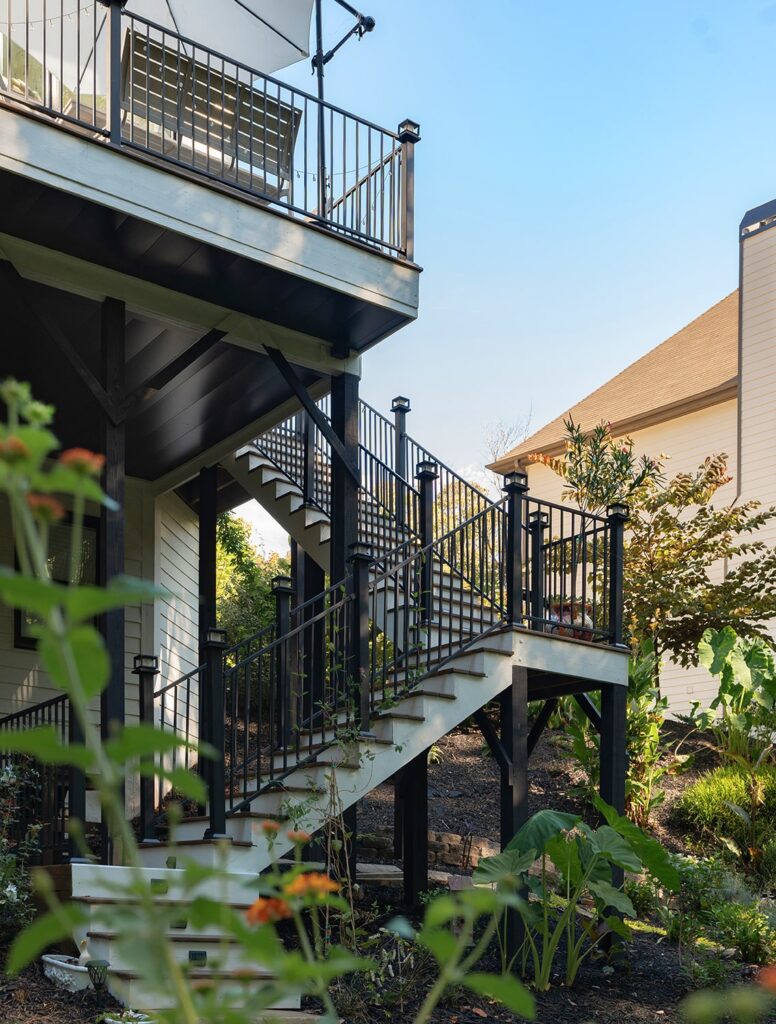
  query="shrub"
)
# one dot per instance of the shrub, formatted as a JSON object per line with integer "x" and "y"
{"x": 745, "y": 929}
{"x": 705, "y": 805}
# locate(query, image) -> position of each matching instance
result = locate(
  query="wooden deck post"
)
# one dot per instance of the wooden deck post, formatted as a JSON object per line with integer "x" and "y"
{"x": 414, "y": 784}
{"x": 514, "y": 784}
{"x": 112, "y": 532}
{"x": 208, "y": 496}
{"x": 344, "y": 489}
{"x": 147, "y": 669}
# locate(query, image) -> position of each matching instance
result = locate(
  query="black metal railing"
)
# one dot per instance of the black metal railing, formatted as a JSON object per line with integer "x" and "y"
{"x": 40, "y": 812}
{"x": 143, "y": 88}
{"x": 288, "y": 700}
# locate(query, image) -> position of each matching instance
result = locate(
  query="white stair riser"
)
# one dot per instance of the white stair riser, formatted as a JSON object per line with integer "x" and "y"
{"x": 109, "y": 883}
{"x": 220, "y": 955}
{"x": 225, "y": 856}
{"x": 135, "y": 993}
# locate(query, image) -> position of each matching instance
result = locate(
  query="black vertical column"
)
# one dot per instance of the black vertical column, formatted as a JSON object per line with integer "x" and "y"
{"x": 112, "y": 519}
{"x": 208, "y": 493}
{"x": 514, "y": 785}
{"x": 111, "y": 540}
{"x": 344, "y": 490}
{"x": 414, "y": 795}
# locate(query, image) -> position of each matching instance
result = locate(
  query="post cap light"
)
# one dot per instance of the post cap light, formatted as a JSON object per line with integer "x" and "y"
{"x": 516, "y": 480}
{"x": 618, "y": 509}
{"x": 400, "y": 404}
{"x": 427, "y": 468}
{"x": 214, "y": 635}
{"x": 409, "y": 131}
{"x": 146, "y": 663}
{"x": 538, "y": 516}
{"x": 360, "y": 550}
{"x": 282, "y": 585}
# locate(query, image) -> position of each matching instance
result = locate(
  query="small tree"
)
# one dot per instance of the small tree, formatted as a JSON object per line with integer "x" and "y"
{"x": 675, "y": 538}
{"x": 244, "y": 579}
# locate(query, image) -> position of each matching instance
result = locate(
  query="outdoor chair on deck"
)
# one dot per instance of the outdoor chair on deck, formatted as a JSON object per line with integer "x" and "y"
{"x": 205, "y": 119}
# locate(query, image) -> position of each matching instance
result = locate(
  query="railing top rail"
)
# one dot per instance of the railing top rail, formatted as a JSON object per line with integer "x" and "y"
{"x": 496, "y": 507}
{"x": 344, "y": 600}
{"x": 33, "y": 709}
{"x": 256, "y": 73}
{"x": 567, "y": 509}
{"x": 391, "y": 472}
{"x": 249, "y": 639}
{"x": 178, "y": 682}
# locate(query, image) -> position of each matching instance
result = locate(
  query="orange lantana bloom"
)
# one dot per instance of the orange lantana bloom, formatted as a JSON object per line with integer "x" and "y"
{"x": 46, "y": 508}
{"x": 299, "y": 837}
{"x": 267, "y": 909}
{"x": 13, "y": 449}
{"x": 767, "y": 978}
{"x": 270, "y": 827}
{"x": 312, "y": 883}
{"x": 83, "y": 461}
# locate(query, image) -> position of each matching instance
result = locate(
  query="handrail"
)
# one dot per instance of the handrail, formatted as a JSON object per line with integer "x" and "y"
{"x": 33, "y": 710}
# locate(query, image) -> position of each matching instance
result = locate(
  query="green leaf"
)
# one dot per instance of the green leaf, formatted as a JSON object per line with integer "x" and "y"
{"x": 30, "y": 595}
{"x": 506, "y": 990}
{"x": 653, "y": 856}
{"x": 42, "y": 933}
{"x": 63, "y": 480}
{"x": 611, "y": 897}
{"x": 541, "y": 827}
{"x": 564, "y": 854}
{"x": 90, "y": 659}
{"x": 141, "y": 741}
{"x": 84, "y": 603}
{"x": 506, "y": 866}
{"x": 44, "y": 744}
{"x": 715, "y": 647}
{"x": 184, "y": 782}
{"x": 441, "y": 910}
{"x": 439, "y": 942}
{"x": 618, "y": 850}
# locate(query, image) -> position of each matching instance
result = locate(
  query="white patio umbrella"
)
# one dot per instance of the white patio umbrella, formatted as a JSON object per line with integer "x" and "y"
{"x": 264, "y": 34}
{"x": 58, "y": 35}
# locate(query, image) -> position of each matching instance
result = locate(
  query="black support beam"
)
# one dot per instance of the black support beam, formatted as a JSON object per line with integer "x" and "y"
{"x": 414, "y": 797}
{"x": 344, "y": 473}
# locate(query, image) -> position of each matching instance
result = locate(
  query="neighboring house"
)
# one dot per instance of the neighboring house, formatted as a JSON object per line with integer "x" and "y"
{"x": 711, "y": 387}
{"x": 191, "y": 264}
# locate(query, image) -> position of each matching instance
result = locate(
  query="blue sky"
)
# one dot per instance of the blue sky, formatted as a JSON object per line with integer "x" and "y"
{"x": 581, "y": 176}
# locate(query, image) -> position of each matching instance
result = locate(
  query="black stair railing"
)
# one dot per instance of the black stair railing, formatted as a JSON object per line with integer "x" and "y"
{"x": 46, "y": 794}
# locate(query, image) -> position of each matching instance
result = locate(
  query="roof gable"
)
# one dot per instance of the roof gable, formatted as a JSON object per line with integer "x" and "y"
{"x": 697, "y": 366}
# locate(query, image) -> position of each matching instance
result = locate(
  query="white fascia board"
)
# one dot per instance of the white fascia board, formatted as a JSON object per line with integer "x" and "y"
{"x": 72, "y": 163}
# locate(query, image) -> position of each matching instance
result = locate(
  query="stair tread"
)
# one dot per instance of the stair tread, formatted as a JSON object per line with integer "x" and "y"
{"x": 174, "y": 936}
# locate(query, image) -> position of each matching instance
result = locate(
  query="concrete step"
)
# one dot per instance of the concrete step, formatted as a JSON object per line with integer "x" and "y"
{"x": 199, "y": 950}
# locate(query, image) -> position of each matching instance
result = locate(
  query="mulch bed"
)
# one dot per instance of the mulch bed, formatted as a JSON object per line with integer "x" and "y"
{"x": 31, "y": 998}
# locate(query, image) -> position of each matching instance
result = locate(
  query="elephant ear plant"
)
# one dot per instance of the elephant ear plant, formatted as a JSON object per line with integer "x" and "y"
{"x": 560, "y": 865}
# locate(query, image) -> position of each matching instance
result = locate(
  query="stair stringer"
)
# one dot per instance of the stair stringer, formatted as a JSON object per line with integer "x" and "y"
{"x": 247, "y": 466}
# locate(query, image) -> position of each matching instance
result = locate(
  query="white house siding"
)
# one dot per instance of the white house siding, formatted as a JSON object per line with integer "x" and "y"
{"x": 23, "y": 682}
{"x": 758, "y": 372}
{"x": 177, "y": 615}
{"x": 687, "y": 440}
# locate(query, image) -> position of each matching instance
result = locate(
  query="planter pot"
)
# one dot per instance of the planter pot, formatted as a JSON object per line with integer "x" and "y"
{"x": 66, "y": 971}
{"x": 129, "y": 1017}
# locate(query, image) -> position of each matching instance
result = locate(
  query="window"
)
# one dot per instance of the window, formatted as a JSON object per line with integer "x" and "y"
{"x": 60, "y": 537}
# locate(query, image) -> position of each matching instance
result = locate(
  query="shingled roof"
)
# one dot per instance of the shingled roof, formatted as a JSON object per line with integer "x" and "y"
{"x": 696, "y": 367}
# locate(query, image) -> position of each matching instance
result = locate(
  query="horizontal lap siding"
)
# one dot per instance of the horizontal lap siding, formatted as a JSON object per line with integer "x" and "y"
{"x": 23, "y": 681}
{"x": 758, "y": 373}
{"x": 688, "y": 440}
{"x": 177, "y": 571}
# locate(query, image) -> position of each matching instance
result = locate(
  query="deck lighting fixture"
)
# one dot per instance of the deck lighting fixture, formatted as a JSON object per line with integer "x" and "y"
{"x": 517, "y": 478}
{"x": 215, "y": 636}
{"x": 282, "y": 585}
{"x": 98, "y": 973}
{"x": 427, "y": 468}
{"x": 145, "y": 663}
{"x": 400, "y": 404}
{"x": 618, "y": 508}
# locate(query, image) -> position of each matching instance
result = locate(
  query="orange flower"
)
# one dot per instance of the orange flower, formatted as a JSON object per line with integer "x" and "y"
{"x": 266, "y": 910}
{"x": 83, "y": 461}
{"x": 313, "y": 883}
{"x": 269, "y": 827}
{"x": 13, "y": 449}
{"x": 301, "y": 838}
{"x": 45, "y": 507}
{"x": 767, "y": 978}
